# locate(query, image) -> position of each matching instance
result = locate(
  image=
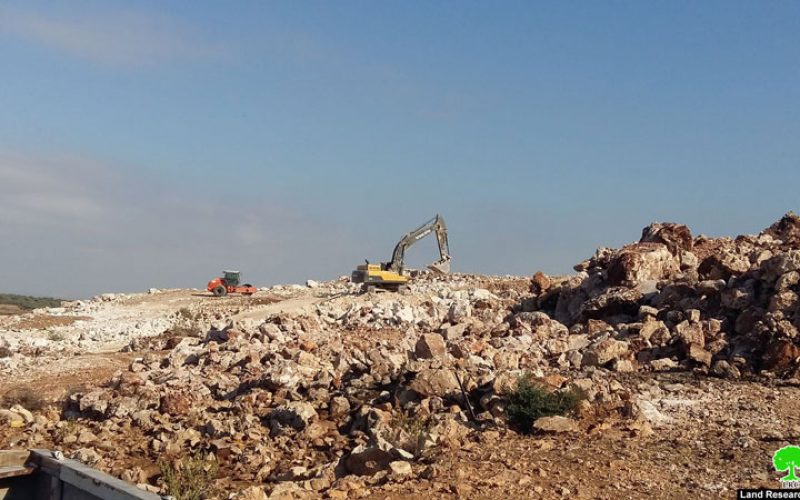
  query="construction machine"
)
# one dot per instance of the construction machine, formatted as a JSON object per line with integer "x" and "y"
{"x": 391, "y": 275}
{"x": 229, "y": 283}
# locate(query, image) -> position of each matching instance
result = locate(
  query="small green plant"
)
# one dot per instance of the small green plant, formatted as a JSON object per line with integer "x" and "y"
{"x": 188, "y": 478}
{"x": 185, "y": 313}
{"x": 55, "y": 336}
{"x": 531, "y": 401}
{"x": 407, "y": 432}
{"x": 411, "y": 424}
{"x": 67, "y": 428}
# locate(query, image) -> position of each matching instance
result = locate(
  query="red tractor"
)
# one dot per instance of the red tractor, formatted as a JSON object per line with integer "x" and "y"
{"x": 229, "y": 283}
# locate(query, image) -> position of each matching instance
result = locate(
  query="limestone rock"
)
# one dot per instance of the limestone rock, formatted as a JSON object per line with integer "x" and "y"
{"x": 87, "y": 456}
{"x": 367, "y": 460}
{"x": 459, "y": 311}
{"x": 555, "y": 424}
{"x": 435, "y": 382}
{"x": 605, "y": 351}
{"x": 400, "y": 469}
{"x": 297, "y": 415}
{"x": 675, "y": 237}
{"x": 430, "y": 346}
{"x": 663, "y": 364}
{"x": 698, "y": 354}
{"x": 780, "y": 355}
{"x": 642, "y": 262}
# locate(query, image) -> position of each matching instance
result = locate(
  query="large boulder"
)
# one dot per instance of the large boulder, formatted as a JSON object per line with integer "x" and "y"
{"x": 787, "y": 230}
{"x": 430, "y": 346}
{"x": 298, "y": 415}
{"x": 539, "y": 324}
{"x": 618, "y": 300}
{"x": 642, "y": 262}
{"x": 690, "y": 333}
{"x": 723, "y": 264}
{"x": 655, "y": 332}
{"x": 367, "y": 460}
{"x": 781, "y": 264}
{"x": 699, "y": 355}
{"x": 460, "y": 310}
{"x": 604, "y": 351}
{"x": 94, "y": 403}
{"x": 435, "y": 382}
{"x": 676, "y": 237}
{"x": 780, "y": 355}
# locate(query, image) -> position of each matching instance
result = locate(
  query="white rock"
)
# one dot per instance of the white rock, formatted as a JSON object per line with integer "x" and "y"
{"x": 459, "y": 311}
{"x": 482, "y": 294}
{"x": 400, "y": 468}
{"x": 22, "y": 412}
{"x": 297, "y": 414}
{"x": 647, "y": 410}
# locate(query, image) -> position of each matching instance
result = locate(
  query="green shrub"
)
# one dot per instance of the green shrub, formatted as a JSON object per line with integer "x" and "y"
{"x": 55, "y": 336}
{"x": 188, "y": 478}
{"x": 185, "y": 313}
{"x": 407, "y": 432}
{"x": 411, "y": 424}
{"x": 531, "y": 401}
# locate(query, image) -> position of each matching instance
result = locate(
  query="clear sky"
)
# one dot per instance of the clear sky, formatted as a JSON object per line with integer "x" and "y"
{"x": 152, "y": 144}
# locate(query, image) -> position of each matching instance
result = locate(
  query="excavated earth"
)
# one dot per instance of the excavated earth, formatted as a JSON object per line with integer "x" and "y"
{"x": 684, "y": 347}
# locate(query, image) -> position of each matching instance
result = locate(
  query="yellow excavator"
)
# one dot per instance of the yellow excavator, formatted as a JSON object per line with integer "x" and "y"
{"x": 391, "y": 275}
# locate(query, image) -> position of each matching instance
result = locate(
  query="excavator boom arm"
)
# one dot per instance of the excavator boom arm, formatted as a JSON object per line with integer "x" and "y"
{"x": 435, "y": 225}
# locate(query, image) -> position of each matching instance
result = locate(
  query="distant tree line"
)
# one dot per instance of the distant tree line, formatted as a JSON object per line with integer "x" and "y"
{"x": 27, "y": 302}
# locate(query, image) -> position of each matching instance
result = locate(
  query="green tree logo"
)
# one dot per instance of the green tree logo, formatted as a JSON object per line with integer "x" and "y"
{"x": 786, "y": 459}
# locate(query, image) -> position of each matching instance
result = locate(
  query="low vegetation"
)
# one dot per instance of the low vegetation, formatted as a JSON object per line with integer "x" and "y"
{"x": 28, "y": 302}
{"x": 530, "y": 401}
{"x": 188, "y": 478}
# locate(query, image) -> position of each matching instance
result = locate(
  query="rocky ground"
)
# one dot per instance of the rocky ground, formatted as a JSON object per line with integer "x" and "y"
{"x": 684, "y": 347}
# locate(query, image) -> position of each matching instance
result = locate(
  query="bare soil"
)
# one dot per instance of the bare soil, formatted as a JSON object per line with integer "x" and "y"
{"x": 10, "y": 310}
{"x": 45, "y": 321}
{"x": 694, "y": 457}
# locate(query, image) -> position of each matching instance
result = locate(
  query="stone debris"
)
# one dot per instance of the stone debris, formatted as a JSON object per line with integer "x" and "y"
{"x": 430, "y": 346}
{"x": 691, "y": 300}
{"x": 348, "y": 385}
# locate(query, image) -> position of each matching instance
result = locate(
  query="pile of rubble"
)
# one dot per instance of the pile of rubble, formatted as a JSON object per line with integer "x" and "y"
{"x": 370, "y": 385}
{"x": 670, "y": 300}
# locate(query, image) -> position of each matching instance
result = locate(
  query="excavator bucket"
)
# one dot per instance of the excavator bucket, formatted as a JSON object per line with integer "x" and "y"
{"x": 441, "y": 266}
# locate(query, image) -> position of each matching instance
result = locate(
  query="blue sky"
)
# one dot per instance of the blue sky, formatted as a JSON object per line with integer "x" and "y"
{"x": 153, "y": 144}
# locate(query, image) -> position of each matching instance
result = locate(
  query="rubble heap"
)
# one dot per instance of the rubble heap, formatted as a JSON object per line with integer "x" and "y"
{"x": 368, "y": 385}
{"x": 728, "y": 305}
